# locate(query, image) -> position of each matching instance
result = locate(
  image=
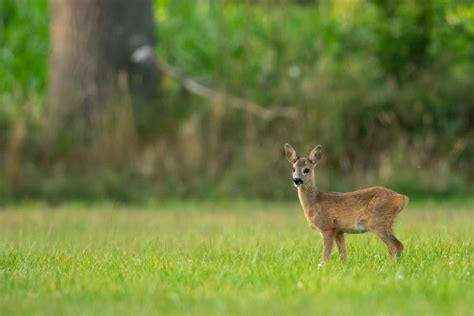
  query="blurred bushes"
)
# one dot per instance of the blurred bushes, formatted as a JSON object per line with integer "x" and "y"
{"x": 385, "y": 86}
{"x": 23, "y": 48}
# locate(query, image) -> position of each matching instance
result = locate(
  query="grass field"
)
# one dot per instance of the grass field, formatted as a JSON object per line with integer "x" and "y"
{"x": 238, "y": 258}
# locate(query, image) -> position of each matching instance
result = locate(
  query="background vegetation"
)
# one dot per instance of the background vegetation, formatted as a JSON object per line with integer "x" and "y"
{"x": 385, "y": 86}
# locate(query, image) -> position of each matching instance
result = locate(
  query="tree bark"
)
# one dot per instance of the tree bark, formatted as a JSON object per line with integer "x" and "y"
{"x": 91, "y": 46}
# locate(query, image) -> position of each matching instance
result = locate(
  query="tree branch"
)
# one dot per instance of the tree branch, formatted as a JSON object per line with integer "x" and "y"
{"x": 144, "y": 55}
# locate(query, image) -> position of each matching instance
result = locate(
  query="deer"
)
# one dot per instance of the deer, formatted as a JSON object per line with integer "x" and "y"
{"x": 334, "y": 214}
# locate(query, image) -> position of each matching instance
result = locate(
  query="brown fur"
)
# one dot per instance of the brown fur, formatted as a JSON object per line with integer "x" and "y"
{"x": 334, "y": 214}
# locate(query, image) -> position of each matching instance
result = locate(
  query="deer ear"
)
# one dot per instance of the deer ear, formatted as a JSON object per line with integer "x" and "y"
{"x": 316, "y": 153}
{"x": 291, "y": 154}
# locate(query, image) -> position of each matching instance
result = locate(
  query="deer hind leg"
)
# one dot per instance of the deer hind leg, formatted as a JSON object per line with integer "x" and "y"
{"x": 397, "y": 244}
{"x": 394, "y": 246}
{"x": 328, "y": 239}
{"x": 341, "y": 246}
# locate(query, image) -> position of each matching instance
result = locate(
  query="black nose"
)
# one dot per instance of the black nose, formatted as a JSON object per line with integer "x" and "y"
{"x": 298, "y": 181}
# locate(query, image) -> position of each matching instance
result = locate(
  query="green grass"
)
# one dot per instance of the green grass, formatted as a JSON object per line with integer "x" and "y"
{"x": 228, "y": 258}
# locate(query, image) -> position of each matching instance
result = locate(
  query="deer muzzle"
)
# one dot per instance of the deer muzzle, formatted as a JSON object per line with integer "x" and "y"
{"x": 298, "y": 181}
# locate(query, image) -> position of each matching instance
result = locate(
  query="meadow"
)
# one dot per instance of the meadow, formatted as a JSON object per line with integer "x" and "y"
{"x": 227, "y": 258}
{"x": 385, "y": 86}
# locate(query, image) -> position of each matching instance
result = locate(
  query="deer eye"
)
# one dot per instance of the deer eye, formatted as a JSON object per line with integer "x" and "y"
{"x": 306, "y": 170}
{"x": 293, "y": 169}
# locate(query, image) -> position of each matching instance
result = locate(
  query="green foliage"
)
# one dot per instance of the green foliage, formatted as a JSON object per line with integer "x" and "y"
{"x": 24, "y": 44}
{"x": 382, "y": 85}
{"x": 385, "y": 86}
{"x": 240, "y": 258}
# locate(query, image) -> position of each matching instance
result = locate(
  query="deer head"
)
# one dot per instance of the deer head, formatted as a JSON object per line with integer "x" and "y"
{"x": 303, "y": 168}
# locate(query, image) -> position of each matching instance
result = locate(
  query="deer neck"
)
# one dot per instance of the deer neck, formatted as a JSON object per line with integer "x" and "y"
{"x": 307, "y": 195}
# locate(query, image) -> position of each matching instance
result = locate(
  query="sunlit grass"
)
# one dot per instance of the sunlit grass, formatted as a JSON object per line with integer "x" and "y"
{"x": 248, "y": 258}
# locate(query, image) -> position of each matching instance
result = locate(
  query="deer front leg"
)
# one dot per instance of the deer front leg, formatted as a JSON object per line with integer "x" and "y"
{"x": 328, "y": 239}
{"x": 341, "y": 246}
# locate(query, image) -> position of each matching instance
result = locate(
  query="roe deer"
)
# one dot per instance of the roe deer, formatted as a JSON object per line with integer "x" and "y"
{"x": 334, "y": 214}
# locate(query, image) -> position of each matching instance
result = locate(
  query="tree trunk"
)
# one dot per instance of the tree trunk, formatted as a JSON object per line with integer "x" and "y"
{"x": 90, "y": 62}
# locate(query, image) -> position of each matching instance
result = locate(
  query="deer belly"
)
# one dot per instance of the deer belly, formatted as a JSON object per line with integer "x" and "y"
{"x": 356, "y": 229}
